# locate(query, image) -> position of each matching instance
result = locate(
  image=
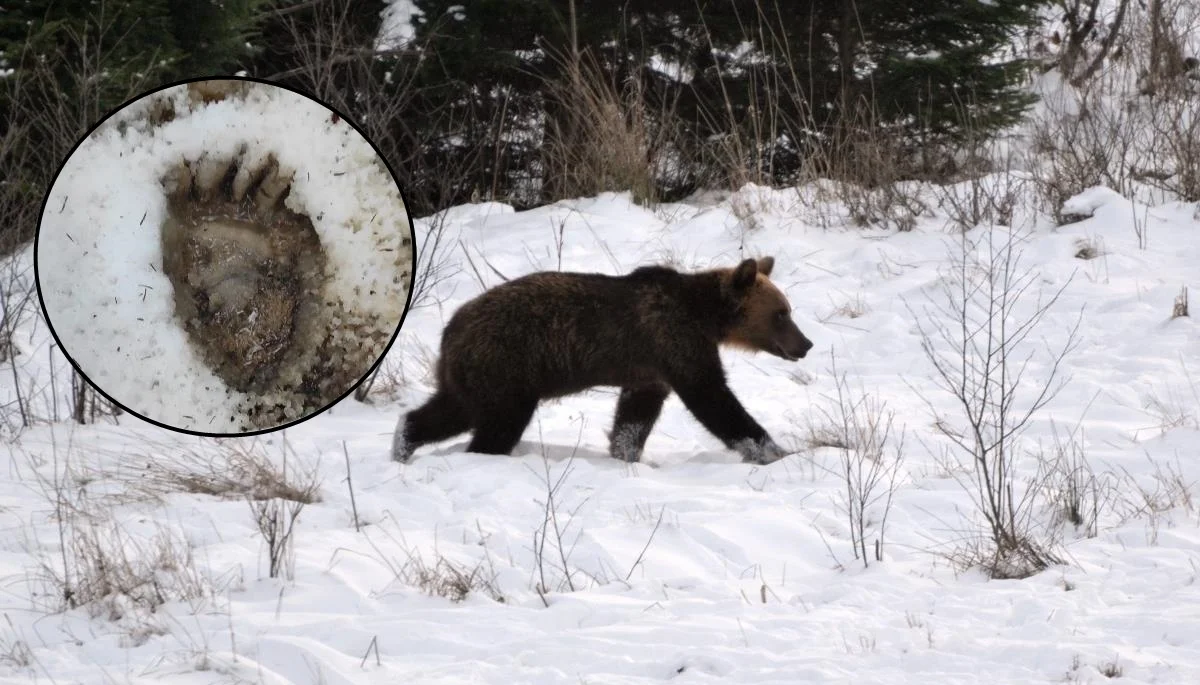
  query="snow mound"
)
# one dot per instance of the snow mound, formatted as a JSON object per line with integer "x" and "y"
{"x": 225, "y": 256}
{"x": 1089, "y": 201}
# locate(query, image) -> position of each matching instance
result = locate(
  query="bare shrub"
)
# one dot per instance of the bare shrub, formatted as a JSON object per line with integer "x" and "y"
{"x": 1170, "y": 158}
{"x": 1082, "y": 54}
{"x": 19, "y": 201}
{"x": 994, "y": 189}
{"x": 54, "y": 98}
{"x": 1134, "y": 125}
{"x": 870, "y": 162}
{"x": 274, "y": 499}
{"x": 991, "y": 198}
{"x": 37, "y": 397}
{"x": 275, "y": 519}
{"x": 976, "y": 337}
{"x": 1081, "y": 142}
{"x": 434, "y": 266}
{"x": 1170, "y": 78}
{"x": 551, "y": 547}
{"x": 1159, "y": 39}
{"x": 871, "y": 167}
{"x": 873, "y": 170}
{"x": 87, "y": 405}
{"x": 16, "y": 305}
{"x": 862, "y": 428}
{"x": 386, "y": 381}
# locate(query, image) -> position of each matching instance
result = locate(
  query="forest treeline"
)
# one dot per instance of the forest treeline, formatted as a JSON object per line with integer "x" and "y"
{"x": 528, "y": 101}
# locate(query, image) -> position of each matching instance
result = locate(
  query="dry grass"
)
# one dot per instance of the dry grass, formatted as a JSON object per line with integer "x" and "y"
{"x": 1088, "y": 249}
{"x": 825, "y": 434}
{"x": 445, "y": 578}
{"x": 1180, "y": 308}
{"x": 1111, "y": 669}
{"x": 386, "y": 381}
{"x": 15, "y": 653}
{"x": 1174, "y": 405}
{"x": 1075, "y": 493}
{"x": 236, "y": 468}
{"x": 439, "y": 577}
{"x": 1165, "y": 490}
{"x": 113, "y": 567}
{"x": 852, "y": 307}
{"x": 599, "y": 135}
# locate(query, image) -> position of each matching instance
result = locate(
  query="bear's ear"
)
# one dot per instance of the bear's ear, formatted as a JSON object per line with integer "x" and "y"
{"x": 765, "y": 264}
{"x": 744, "y": 275}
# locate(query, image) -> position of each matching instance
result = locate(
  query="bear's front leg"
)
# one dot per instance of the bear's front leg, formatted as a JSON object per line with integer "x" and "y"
{"x": 756, "y": 452}
{"x": 707, "y": 396}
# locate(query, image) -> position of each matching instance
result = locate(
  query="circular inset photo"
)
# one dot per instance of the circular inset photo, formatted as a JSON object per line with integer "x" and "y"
{"x": 224, "y": 257}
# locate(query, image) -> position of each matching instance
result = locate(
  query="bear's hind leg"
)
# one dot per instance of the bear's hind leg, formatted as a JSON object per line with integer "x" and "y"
{"x": 637, "y": 410}
{"x": 498, "y": 428}
{"x": 440, "y": 418}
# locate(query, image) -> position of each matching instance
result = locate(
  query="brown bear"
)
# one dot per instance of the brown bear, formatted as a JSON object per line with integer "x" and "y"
{"x": 650, "y": 332}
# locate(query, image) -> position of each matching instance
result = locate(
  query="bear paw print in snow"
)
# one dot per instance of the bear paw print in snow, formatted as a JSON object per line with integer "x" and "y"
{"x": 272, "y": 262}
{"x": 247, "y": 271}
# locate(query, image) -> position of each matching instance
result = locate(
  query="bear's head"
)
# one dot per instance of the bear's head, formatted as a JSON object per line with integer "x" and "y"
{"x": 764, "y": 317}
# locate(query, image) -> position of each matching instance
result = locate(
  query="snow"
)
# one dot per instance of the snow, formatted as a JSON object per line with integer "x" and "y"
{"x": 396, "y": 27}
{"x": 100, "y": 249}
{"x": 689, "y": 566}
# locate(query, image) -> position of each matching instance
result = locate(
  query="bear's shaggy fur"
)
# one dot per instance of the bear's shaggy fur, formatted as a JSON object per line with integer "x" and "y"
{"x": 650, "y": 332}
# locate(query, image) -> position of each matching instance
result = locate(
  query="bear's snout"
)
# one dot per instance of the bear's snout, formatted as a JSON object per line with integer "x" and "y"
{"x": 792, "y": 345}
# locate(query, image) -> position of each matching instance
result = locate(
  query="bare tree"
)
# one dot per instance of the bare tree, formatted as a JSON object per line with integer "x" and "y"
{"x": 1083, "y": 23}
{"x": 373, "y": 79}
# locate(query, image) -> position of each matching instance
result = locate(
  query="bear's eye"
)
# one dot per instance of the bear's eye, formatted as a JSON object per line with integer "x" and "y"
{"x": 781, "y": 316}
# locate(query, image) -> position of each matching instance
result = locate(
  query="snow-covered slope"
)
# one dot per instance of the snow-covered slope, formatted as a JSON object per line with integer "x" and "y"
{"x": 690, "y": 567}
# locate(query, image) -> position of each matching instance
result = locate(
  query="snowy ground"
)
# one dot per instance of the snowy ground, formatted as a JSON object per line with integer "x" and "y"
{"x": 749, "y": 577}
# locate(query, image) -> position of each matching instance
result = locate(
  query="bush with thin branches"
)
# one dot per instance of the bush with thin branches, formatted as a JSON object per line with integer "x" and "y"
{"x": 871, "y": 450}
{"x": 276, "y": 519}
{"x": 977, "y": 334}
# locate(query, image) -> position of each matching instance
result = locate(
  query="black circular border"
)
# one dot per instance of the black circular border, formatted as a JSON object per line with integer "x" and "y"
{"x": 395, "y": 334}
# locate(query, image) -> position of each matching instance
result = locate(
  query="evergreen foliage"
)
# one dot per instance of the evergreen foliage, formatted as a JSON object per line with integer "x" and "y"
{"x": 795, "y": 81}
{"x": 487, "y": 97}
